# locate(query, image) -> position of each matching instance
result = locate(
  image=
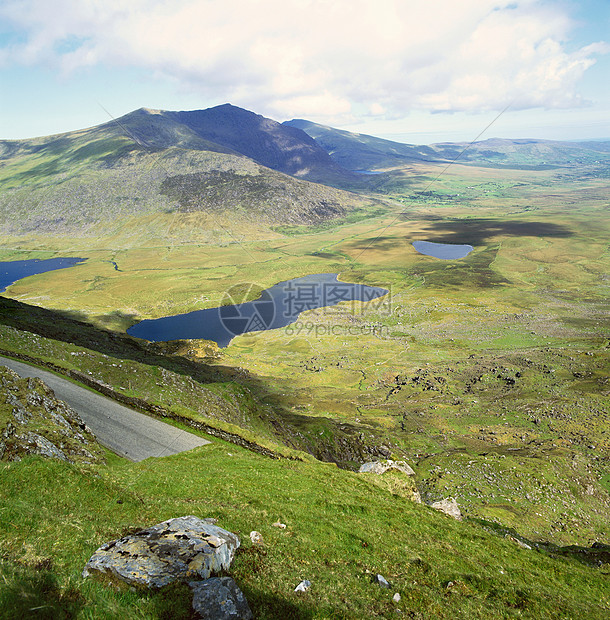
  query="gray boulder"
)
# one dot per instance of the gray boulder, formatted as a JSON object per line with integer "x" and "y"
{"x": 449, "y": 506}
{"x": 181, "y": 549}
{"x": 219, "y": 598}
{"x": 380, "y": 467}
{"x": 303, "y": 586}
{"x": 380, "y": 580}
{"x": 38, "y": 444}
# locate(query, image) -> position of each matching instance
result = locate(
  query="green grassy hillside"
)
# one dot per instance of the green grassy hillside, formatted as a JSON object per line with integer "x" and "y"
{"x": 342, "y": 528}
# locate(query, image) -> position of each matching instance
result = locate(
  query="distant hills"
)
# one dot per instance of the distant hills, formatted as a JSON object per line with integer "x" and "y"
{"x": 362, "y": 152}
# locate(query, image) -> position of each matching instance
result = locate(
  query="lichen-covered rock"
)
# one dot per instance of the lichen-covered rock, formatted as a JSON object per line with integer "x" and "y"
{"x": 380, "y": 467}
{"x": 33, "y": 421}
{"x": 449, "y": 506}
{"x": 219, "y": 598}
{"x": 41, "y": 445}
{"x": 180, "y": 549}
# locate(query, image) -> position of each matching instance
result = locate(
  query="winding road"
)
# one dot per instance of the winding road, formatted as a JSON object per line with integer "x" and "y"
{"x": 128, "y": 433}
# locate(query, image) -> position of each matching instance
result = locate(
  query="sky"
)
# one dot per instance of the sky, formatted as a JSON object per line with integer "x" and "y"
{"x": 416, "y": 71}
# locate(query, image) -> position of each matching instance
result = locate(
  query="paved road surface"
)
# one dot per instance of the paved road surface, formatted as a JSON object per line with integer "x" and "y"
{"x": 123, "y": 430}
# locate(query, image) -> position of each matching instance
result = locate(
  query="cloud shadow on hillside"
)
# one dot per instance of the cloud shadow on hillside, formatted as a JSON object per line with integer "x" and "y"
{"x": 480, "y": 230}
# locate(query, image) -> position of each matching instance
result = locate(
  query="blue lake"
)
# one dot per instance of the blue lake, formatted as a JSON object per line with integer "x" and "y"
{"x": 276, "y": 307}
{"x": 444, "y": 251}
{"x": 11, "y": 271}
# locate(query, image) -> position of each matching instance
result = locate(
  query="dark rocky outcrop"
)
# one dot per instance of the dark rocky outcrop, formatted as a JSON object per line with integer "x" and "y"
{"x": 34, "y": 422}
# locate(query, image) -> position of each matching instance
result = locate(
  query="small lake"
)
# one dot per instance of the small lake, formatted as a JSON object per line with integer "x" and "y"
{"x": 444, "y": 251}
{"x": 11, "y": 271}
{"x": 276, "y": 307}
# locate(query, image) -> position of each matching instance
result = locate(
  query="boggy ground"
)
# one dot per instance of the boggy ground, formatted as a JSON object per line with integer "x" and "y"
{"x": 489, "y": 374}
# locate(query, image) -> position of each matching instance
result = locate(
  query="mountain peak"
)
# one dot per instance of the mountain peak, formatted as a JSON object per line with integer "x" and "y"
{"x": 272, "y": 144}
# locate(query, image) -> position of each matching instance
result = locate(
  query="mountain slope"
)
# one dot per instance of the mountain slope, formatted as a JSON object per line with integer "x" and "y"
{"x": 362, "y": 152}
{"x": 151, "y": 164}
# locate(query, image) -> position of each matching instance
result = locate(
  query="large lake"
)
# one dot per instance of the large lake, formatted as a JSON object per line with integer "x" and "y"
{"x": 445, "y": 251}
{"x": 11, "y": 271}
{"x": 276, "y": 307}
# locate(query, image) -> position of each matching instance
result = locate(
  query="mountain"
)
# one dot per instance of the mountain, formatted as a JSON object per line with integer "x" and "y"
{"x": 224, "y": 162}
{"x": 526, "y": 153}
{"x": 222, "y": 129}
{"x": 269, "y": 143}
{"x": 362, "y": 152}
{"x": 221, "y": 166}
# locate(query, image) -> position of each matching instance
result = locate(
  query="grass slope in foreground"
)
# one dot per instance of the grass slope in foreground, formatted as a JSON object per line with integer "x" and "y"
{"x": 342, "y": 528}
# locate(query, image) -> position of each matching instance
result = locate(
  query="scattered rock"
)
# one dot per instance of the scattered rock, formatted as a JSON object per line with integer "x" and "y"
{"x": 384, "y": 451}
{"x": 303, "y": 586}
{"x": 380, "y": 580}
{"x": 180, "y": 549}
{"x": 380, "y": 467}
{"x": 396, "y": 598}
{"x": 219, "y": 598}
{"x": 282, "y": 526}
{"x": 449, "y": 506}
{"x": 37, "y": 444}
{"x": 518, "y": 542}
{"x": 256, "y": 538}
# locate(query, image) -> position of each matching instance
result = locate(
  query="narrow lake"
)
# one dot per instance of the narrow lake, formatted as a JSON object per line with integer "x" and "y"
{"x": 11, "y": 271}
{"x": 444, "y": 251}
{"x": 276, "y": 307}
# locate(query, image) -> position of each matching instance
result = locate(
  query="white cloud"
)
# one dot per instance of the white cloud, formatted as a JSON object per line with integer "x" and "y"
{"x": 320, "y": 58}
